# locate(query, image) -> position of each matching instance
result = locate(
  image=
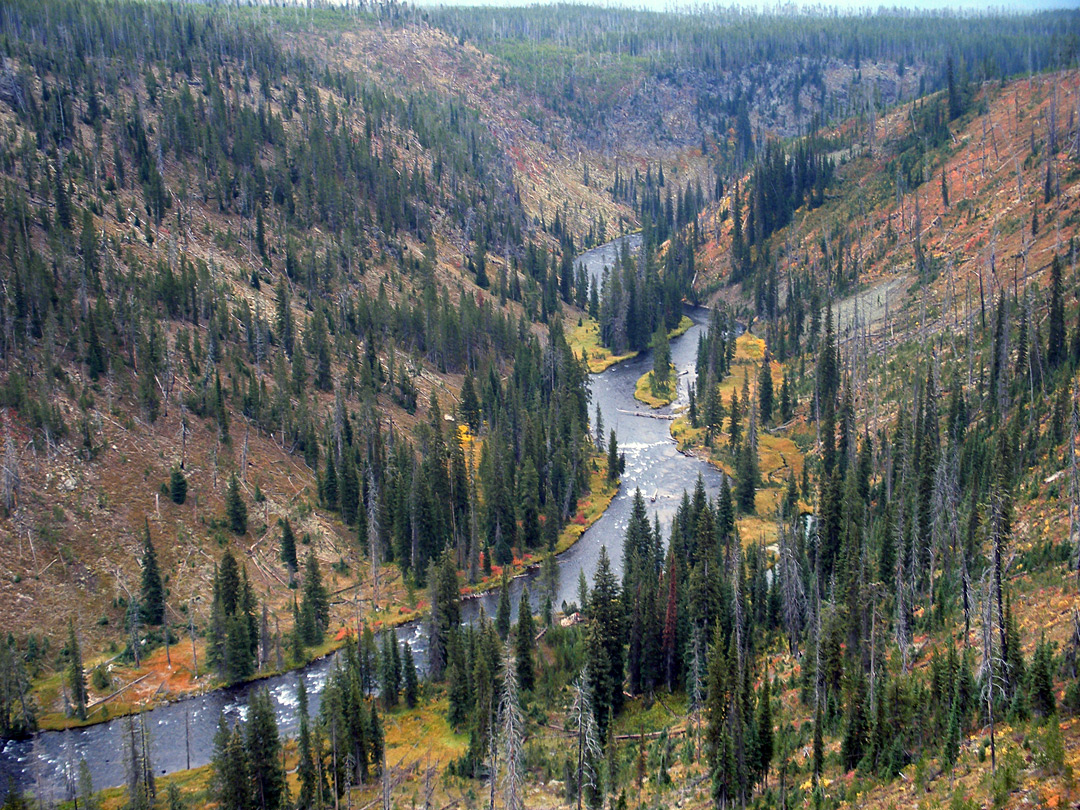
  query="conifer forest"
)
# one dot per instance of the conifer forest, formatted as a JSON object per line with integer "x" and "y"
{"x": 549, "y": 406}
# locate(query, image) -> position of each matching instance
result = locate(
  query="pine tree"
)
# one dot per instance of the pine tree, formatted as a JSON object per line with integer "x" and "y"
{"x": 230, "y": 780}
{"x": 613, "y": 457}
{"x": 152, "y": 601}
{"x": 260, "y": 232}
{"x": 524, "y": 642}
{"x": 457, "y": 684}
{"x": 470, "y": 404}
{"x": 818, "y": 750}
{"x": 63, "y": 198}
{"x": 746, "y": 477}
{"x": 950, "y": 748}
{"x": 502, "y": 612}
{"x": 239, "y": 661}
{"x": 605, "y": 644}
{"x": 1055, "y": 342}
{"x": 288, "y": 547}
{"x": 178, "y": 486}
{"x": 717, "y": 704}
{"x": 235, "y": 508}
{"x": 734, "y": 424}
{"x": 389, "y": 672}
{"x": 314, "y": 603}
{"x": 376, "y": 749}
{"x": 764, "y": 729}
{"x": 76, "y": 674}
{"x": 787, "y": 402}
{"x": 857, "y": 730}
{"x": 661, "y": 379}
{"x": 765, "y": 390}
{"x": 86, "y": 798}
{"x": 528, "y": 505}
{"x": 306, "y": 766}
{"x": 409, "y": 675}
{"x": 265, "y": 768}
{"x": 445, "y": 613}
{"x": 1041, "y": 679}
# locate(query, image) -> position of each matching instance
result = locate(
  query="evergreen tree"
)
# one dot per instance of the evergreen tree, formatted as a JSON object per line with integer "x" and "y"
{"x": 265, "y": 768}
{"x": 719, "y": 744}
{"x": 734, "y": 423}
{"x": 76, "y": 674}
{"x": 857, "y": 730}
{"x": 235, "y": 508}
{"x": 818, "y": 745}
{"x": 288, "y": 546}
{"x": 445, "y": 598}
{"x": 389, "y": 672}
{"x": 604, "y": 644}
{"x": 412, "y": 686}
{"x": 457, "y": 684}
{"x": 787, "y": 402}
{"x": 746, "y": 477}
{"x": 950, "y": 748}
{"x": 314, "y": 603}
{"x": 529, "y": 505}
{"x": 765, "y": 390}
{"x": 231, "y": 787}
{"x": 1055, "y": 343}
{"x": 1041, "y": 679}
{"x": 661, "y": 348}
{"x": 306, "y": 771}
{"x": 764, "y": 728}
{"x": 260, "y": 232}
{"x": 377, "y": 747}
{"x": 524, "y": 641}
{"x": 63, "y": 198}
{"x": 470, "y": 404}
{"x": 239, "y": 661}
{"x": 152, "y": 601}
{"x": 613, "y": 470}
{"x": 86, "y": 798}
{"x": 502, "y": 612}
{"x": 178, "y": 486}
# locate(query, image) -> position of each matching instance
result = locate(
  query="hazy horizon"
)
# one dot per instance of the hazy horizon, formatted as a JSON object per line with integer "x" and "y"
{"x": 845, "y": 6}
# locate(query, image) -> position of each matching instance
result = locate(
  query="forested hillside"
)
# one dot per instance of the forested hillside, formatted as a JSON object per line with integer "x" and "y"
{"x": 236, "y": 291}
{"x": 295, "y": 349}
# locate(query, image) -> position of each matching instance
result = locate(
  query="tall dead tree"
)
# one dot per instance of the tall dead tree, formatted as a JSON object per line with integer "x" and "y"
{"x": 588, "y": 744}
{"x": 510, "y": 714}
{"x": 999, "y": 530}
{"x": 1074, "y": 477}
{"x": 373, "y": 531}
{"x": 991, "y": 664}
{"x": 793, "y": 594}
{"x": 9, "y": 478}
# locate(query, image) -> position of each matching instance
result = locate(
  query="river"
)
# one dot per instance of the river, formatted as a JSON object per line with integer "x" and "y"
{"x": 181, "y": 733}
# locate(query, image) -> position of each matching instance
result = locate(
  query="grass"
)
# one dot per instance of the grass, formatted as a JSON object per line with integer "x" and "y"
{"x": 643, "y": 391}
{"x": 584, "y": 339}
{"x": 684, "y": 326}
{"x": 642, "y": 715}
{"x": 422, "y": 734}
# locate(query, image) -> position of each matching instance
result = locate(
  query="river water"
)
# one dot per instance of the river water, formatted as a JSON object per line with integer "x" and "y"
{"x": 181, "y": 733}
